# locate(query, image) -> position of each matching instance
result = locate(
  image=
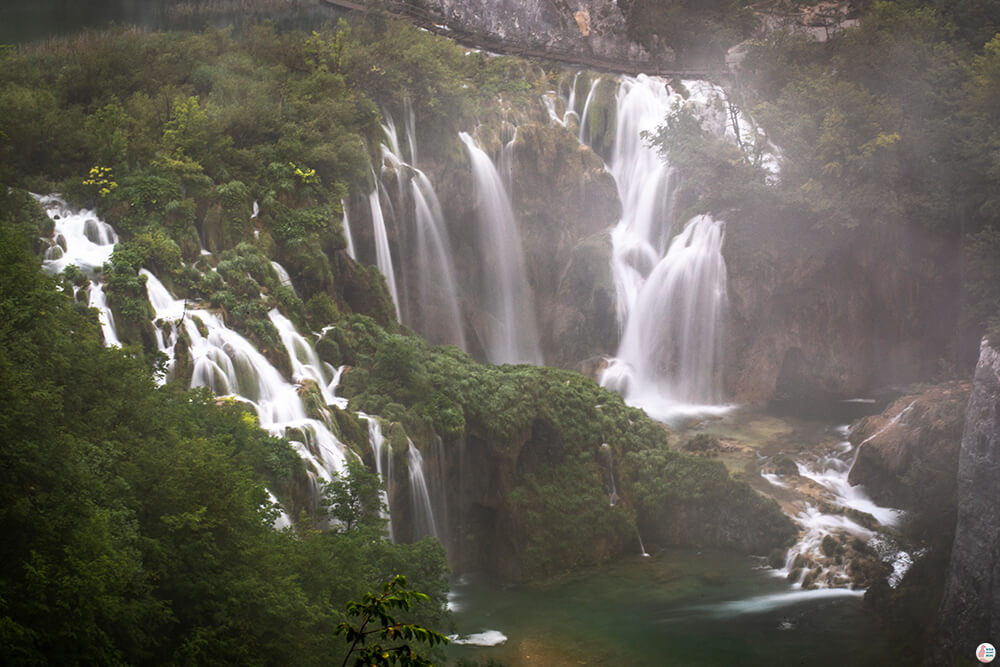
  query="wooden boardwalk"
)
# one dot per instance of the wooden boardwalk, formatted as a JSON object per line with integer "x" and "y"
{"x": 434, "y": 23}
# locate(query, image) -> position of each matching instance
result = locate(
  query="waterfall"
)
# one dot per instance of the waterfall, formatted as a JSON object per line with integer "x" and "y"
{"x": 383, "y": 465}
{"x": 283, "y": 277}
{"x": 670, "y": 352}
{"x": 423, "y": 511}
{"x": 512, "y": 335}
{"x": 104, "y": 315}
{"x": 437, "y": 288}
{"x": 83, "y": 241}
{"x": 383, "y": 255}
{"x": 582, "y": 136}
{"x": 430, "y": 304}
{"x": 670, "y": 285}
{"x": 229, "y": 365}
{"x": 351, "y": 252}
{"x": 168, "y": 312}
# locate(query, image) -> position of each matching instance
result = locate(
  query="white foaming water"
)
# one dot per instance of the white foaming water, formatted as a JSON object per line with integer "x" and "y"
{"x": 345, "y": 221}
{"x": 484, "y": 638}
{"x": 423, "y": 511}
{"x": 670, "y": 286}
{"x": 168, "y": 313}
{"x": 831, "y": 472}
{"x": 283, "y": 276}
{"x": 281, "y": 521}
{"x": 228, "y": 364}
{"x": 84, "y": 241}
{"x": 512, "y": 335}
{"x": 383, "y": 255}
{"x": 761, "y": 603}
{"x": 429, "y": 300}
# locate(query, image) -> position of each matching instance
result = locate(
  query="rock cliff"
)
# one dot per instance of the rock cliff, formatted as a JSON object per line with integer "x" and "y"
{"x": 908, "y": 455}
{"x": 970, "y": 608}
{"x": 581, "y": 28}
{"x": 812, "y": 320}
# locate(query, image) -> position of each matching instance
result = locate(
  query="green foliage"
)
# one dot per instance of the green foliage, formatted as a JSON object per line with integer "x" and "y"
{"x": 376, "y": 609}
{"x": 137, "y": 522}
{"x": 681, "y": 496}
{"x": 353, "y": 499}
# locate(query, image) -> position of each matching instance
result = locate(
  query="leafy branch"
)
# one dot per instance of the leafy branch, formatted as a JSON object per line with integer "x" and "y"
{"x": 376, "y": 608}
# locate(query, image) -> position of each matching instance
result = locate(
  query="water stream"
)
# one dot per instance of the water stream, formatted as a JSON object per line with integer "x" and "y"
{"x": 512, "y": 335}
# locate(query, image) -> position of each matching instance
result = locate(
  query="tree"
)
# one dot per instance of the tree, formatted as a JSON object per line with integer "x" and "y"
{"x": 354, "y": 498}
{"x": 376, "y": 609}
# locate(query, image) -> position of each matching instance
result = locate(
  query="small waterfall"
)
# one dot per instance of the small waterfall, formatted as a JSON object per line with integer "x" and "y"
{"x": 168, "y": 312}
{"x": 830, "y": 471}
{"x": 670, "y": 352}
{"x": 437, "y": 288}
{"x": 281, "y": 521}
{"x": 670, "y": 286}
{"x": 383, "y": 465}
{"x": 83, "y": 241}
{"x": 104, "y": 315}
{"x": 423, "y": 510}
{"x": 351, "y": 252}
{"x": 430, "y": 303}
{"x": 283, "y": 276}
{"x": 383, "y": 255}
{"x": 512, "y": 336}
{"x": 228, "y": 364}
{"x": 583, "y": 136}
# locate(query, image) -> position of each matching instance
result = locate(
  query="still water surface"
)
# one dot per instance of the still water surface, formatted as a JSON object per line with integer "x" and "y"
{"x": 678, "y": 607}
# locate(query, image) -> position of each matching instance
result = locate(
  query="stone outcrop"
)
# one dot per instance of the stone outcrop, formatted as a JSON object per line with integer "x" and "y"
{"x": 908, "y": 455}
{"x": 970, "y": 608}
{"x": 811, "y": 321}
{"x": 566, "y": 202}
{"x": 586, "y": 29}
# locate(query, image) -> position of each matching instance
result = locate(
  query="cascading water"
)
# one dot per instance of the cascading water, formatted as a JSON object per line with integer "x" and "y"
{"x": 423, "y": 510}
{"x": 168, "y": 312}
{"x": 383, "y": 254}
{"x": 345, "y": 221}
{"x": 83, "y": 241}
{"x": 809, "y": 560}
{"x": 670, "y": 285}
{"x": 228, "y": 364}
{"x": 670, "y": 352}
{"x": 429, "y": 302}
{"x": 383, "y": 465}
{"x": 512, "y": 335}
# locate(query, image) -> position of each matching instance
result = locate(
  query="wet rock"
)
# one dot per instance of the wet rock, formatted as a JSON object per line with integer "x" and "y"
{"x": 814, "y": 320}
{"x": 908, "y": 455}
{"x": 584, "y": 28}
{"x": 970, "y": 608}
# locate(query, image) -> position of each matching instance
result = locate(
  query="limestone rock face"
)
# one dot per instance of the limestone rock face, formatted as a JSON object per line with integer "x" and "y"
{"x": 908, "y": 454}
{"x": 566, "y": 202}
{"x": 594, "y": 28}
{"x": 970, "y": 608}
{"x": 810, "y": 321}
